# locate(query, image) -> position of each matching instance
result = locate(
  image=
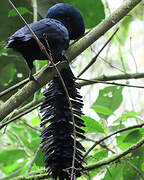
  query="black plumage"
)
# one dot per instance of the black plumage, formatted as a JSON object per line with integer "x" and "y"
{"x": 63, "y": 23}
{"x": 47, "y": 29}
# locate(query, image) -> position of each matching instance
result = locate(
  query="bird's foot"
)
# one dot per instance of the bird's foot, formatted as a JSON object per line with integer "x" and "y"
{"x": 64, "y": 56}
{"x": 32, "y": 78}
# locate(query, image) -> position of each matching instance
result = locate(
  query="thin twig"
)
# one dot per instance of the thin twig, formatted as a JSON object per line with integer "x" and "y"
{"x": 42, "y": 174}
{"x": 33, "y": 160}
{"x": 22, "y": 109}
{"x": 18, "y": 85}
{"x": 35, "y": 18}
{"x": 131, "y": 52}
{"x": 84, "y": 83}
{"x": 19, "y": 115}
{"x": 112, "y": 77}
{"x": 30, "y": 126}
{"x": 102, "y": 145}
{"x": 116, "y": 157}
{"x": 95, "y": 57}
{"x": 138, "y": 171}
{"x": 106, "y": 137}
{"x": 111, "y": 83}
{"x": 112, "y": 66}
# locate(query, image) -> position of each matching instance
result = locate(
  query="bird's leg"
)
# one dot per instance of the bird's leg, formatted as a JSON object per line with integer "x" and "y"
{"x": 30, "y": 65}
{"x": 31, "y": 77}
{"x": 64, "y": 55}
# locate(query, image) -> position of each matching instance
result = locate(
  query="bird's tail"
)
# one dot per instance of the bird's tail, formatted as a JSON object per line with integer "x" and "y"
{"x": 58, "y": 135}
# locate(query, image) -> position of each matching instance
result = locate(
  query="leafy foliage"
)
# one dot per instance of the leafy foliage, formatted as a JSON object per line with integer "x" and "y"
{"x": 108, "y": 101}
{"x": 92, "y": 10}
{"x": 21, "y": 10}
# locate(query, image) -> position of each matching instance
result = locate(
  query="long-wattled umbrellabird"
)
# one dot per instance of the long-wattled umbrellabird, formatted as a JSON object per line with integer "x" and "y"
{"x": 63, "y": 23}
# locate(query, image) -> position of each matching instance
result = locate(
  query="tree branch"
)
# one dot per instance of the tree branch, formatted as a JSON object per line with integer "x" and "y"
{"x": 46, "y": 75}
{"x": 95, "y": 57}
{"x": 113, "y": 77}
{"x": 5, "y": 123}
{"x": 41, "y": 174}
{"x": 116, "y": 157}
{"x": 111, "y": 83}
{"x": 112, "y": 134}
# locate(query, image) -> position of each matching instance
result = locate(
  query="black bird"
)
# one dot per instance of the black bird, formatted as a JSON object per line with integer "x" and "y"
{"x": 63, "y": 23}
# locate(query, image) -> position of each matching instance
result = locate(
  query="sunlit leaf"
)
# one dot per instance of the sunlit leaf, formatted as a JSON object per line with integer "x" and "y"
{"x": 92, "y": 10}
{"x": 22, "y": 10}
{"x": 128, "y": 138}
{"x": 114, "y": 172}
{"x": 35, "y": 121}
{"x": 110, "y": 98}
{"x": 8, "y": 157}
{"x": 102, "y": 110}
{"x": 126, "y": 115}
{"x": 92, "y": 125}
{"x": 133, "y": 137}
{"x": 100, "y": 154}
{"x": 7, "y": 74}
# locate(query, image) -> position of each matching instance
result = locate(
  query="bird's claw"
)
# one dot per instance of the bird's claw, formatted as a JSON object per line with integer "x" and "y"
{"x": 32, "y": 78}
{"x": 64, "y": 56}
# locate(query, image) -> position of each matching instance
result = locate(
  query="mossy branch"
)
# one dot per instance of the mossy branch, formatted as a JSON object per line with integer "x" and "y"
{"x": 115, "y": 158}
{"x": 42, "y": 174}
{"x": 113, "y": 77}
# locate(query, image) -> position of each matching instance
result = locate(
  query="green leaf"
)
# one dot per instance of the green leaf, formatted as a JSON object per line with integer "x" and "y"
{"x": 3, "y": 50}
{"x": 40, "y": 159}
{"x": 126, "y": 115}
{"x": 92, "y": 10}
{"x": 133, "y": 137}
{"x": 128, "y": 138}
{"x": 35, "y": 121}
{"x": 7, "y": 74}
{"x": 92, "y": 125}
{"x": 111, "y": 98}
{"x": 117, "y": 127}
{"x": 41, "y": 63}
{"x": 136, "y": 160}
{"x": 22, "y": 11}
{"x": 114, "y": 172}
{"x": 123, "y": 33}
{"x": 29, "y": 137}
{"x": 8, "y": 157}
{"x": 102, "y": 110}
{"x": 14, "y": 174}
{"x": 100, "y": 154}
{"x": 142, "y": 166}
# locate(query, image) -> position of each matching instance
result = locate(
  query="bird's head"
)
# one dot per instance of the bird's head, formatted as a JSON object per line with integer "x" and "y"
{"x": 70, "y": 17}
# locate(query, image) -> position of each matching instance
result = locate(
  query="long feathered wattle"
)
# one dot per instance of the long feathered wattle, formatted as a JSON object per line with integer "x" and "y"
{"x": 57, "y": 135}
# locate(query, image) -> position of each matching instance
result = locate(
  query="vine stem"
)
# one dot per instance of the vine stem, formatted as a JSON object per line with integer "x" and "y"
{"x": 95, "y": 57}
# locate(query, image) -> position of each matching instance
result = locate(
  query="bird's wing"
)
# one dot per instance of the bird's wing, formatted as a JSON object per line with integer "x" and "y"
{"x": 50, "y": 28}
